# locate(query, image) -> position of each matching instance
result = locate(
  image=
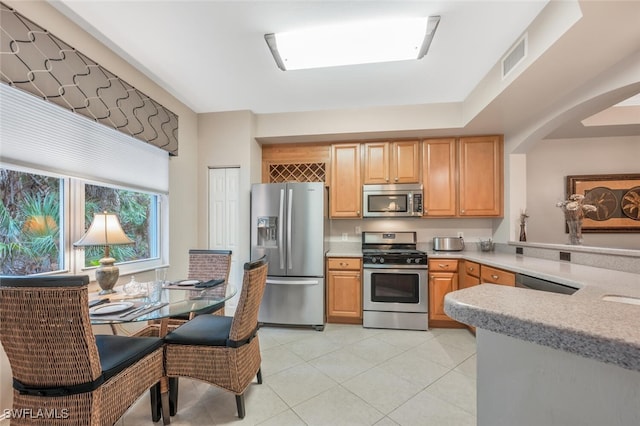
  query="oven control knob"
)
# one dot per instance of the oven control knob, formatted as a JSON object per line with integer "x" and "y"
{"x": 408, "y": 260}
{"x": 373, "y": 259}
{"x": 382, "y": 260}
{"x": 417, "y": 260}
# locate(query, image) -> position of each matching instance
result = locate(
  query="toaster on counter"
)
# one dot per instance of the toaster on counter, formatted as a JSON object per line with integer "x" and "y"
{"x": 448, "y": 243}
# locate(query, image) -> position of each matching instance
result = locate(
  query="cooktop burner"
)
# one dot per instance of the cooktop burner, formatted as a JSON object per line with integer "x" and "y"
{"x": 391, "y": 248}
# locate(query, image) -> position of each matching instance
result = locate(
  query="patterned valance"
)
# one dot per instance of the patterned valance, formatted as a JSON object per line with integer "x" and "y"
{"x": 38, "y": 62}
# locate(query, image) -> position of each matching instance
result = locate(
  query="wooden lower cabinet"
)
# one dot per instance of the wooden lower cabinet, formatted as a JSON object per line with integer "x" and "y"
{"x": 490, "y": 275}
{"x": 443, "y": 278}
{"x": 469, "y": 274}
{"x": 344, "y": 290}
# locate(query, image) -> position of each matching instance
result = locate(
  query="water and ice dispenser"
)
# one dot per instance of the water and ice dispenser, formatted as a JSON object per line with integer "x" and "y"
{"x": 267, "y": 231}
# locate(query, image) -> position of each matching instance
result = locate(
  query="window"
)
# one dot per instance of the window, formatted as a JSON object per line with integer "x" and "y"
{"x": 36, "y": 238}
{"x": 138, "y": 215}
{"x": 30, "y": 223}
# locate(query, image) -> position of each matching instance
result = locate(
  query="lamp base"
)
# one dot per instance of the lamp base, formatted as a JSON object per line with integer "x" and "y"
{"x": 107, "y": 275}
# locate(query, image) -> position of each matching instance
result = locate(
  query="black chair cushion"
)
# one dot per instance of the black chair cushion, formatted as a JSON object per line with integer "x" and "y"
{"x": 209, "y": 330}
{"x": 119, "y": 352}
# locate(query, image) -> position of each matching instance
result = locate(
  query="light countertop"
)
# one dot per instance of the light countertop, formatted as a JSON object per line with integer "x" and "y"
{"x": 582, "y": 323}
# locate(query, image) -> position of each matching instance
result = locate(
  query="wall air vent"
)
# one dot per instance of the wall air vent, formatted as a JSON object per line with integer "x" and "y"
{"x": 515, "y": 55}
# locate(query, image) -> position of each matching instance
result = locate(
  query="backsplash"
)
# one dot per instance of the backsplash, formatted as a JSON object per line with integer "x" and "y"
{"x": 617, "y": 259}
{"x": 472, "y": 229}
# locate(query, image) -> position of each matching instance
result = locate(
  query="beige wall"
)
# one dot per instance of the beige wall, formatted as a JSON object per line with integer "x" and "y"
{"x": 227, "y": 140}
{"x": 550, "y": 161}
{"x": 182, "y": 175}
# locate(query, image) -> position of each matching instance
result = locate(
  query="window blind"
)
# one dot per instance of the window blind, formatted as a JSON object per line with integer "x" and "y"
{"x": 42, "y": 135}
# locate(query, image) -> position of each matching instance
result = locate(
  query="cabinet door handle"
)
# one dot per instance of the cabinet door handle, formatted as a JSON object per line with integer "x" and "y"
{"x": 344, "y": 264}
{"x": 471, "y": 269}
{"x": 443, "y": 265}
{"x": 396, "y": 179}
{"x": 495, "y": 277}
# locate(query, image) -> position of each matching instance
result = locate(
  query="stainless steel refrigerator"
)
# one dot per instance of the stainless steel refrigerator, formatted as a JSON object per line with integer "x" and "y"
{"x": 287, "y": 224}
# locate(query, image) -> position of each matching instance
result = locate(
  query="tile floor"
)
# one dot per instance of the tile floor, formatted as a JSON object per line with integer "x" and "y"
{"x": 345, "y": 375}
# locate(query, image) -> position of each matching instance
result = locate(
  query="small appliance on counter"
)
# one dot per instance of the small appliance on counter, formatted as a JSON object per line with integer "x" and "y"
{"x": 448, "y": 244}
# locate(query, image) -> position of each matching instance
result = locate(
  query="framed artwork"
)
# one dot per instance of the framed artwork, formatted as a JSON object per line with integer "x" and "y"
{"x": 616, "y": 198}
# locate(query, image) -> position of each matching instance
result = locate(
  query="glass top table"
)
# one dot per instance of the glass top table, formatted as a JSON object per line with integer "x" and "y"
{"x": 171, "y": 302}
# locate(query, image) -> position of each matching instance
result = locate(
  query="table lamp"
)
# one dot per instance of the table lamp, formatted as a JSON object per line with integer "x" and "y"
{"x": 105, "y": 230}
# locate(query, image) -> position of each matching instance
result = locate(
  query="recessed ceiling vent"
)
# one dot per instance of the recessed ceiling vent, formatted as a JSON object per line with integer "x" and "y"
{"x": 514, "y": 56}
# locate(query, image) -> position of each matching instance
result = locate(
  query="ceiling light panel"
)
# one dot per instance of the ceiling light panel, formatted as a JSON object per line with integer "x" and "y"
{"x": 354, "y": 43}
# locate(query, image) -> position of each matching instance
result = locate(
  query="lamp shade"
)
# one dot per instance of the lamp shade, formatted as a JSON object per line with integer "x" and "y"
{"x": 105, "y": 230}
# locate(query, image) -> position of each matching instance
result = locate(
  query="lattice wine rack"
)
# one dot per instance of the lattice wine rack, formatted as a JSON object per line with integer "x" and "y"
{"x": 300, "y": 172}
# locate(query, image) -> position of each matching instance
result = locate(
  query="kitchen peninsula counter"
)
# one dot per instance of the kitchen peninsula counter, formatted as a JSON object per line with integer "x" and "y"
{"x": 582, "y": 323}
{"x": 553, "y": 359}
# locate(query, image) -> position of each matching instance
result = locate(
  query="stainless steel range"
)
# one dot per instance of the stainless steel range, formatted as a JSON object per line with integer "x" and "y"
{"x": 395, "y": 293}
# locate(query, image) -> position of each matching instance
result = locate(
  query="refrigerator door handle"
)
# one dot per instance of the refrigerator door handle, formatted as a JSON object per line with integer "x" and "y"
{"x": 281, "y": 230}
{"x": 289, "y": 220}
{"x": 293, "y": 282}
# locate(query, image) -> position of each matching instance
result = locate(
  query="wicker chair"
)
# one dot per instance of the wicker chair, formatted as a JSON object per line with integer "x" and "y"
{"x": 204, "y": 265}
{"x": 63, "y": 373}
{"x": 223, "y": 351}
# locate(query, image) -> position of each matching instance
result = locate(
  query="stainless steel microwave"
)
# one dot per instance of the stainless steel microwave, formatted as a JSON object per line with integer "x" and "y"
{"x": 401, "y": 200}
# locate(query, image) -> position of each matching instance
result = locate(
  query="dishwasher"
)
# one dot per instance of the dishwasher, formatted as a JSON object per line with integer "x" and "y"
{"x": 534, "y": 283}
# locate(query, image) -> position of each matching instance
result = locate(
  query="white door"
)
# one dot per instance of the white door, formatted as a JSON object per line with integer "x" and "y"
{"x": 224, "y": 188}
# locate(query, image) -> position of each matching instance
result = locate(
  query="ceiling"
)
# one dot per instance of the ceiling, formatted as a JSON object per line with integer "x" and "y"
{"x": 212, "y": 55}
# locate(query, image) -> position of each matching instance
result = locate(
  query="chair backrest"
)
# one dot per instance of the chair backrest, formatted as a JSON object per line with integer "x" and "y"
{"x": 205, "y": 265}
{"x": 245, "y": 319}
{"x": 46, "y": 332}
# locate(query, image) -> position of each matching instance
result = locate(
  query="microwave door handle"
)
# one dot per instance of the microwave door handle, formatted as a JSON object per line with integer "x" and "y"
{"x": 409, "y": 203}
{"x": 281, "y": 230}
{"x": 289, "y": 228}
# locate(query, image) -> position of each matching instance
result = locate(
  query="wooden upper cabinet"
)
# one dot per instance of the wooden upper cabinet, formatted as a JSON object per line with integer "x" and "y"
{"x": 439, "y": 177}
{"x": 405, "y": 161}
{"x": 391, "y": 162}
{"x": 345, "y": 188}
{"x": 296, "y": 163}
{"x": 376, "y": 162}
{"x": 480, "y": 176}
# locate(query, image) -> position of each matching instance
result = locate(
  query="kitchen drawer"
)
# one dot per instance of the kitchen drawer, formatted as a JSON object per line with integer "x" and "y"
{"x": 472, "y": 268}
{"x": 497, "y": 276}
{"x": 442, "y": 265}
{"x": 344, "y": 263}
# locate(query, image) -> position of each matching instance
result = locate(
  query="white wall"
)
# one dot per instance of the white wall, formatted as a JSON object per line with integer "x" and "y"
{"x": 550, "y": 161}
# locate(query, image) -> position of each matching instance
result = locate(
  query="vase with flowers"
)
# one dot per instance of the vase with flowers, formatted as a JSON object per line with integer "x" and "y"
{"x": 523, "y": 223}
{"x": 574, "y": 209}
